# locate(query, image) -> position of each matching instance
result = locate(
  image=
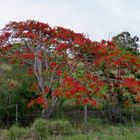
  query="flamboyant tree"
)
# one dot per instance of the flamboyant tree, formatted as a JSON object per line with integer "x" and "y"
{"x": 48, "y": 52}
{"x": 68, "y": 64}
{"x": 105, "y": 75}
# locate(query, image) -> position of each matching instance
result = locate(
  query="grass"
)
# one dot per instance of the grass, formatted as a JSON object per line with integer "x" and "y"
{"x": 98, "y": 131}
{"x": 95, "y": 130}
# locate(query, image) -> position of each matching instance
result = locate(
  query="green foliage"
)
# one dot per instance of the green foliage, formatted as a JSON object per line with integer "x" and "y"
{"x": 138, "y": 75}
{"x": 97, "y": 130}
{"x": 16, "y": 133}
{"x": 59, "y": 127}
{"x": 126, "y": 42}
{"x": 41, "y": 128}
{"x": 14, "y": 85}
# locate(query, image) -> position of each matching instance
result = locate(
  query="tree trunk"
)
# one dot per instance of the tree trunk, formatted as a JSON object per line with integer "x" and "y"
{"x": 49, "y": 111}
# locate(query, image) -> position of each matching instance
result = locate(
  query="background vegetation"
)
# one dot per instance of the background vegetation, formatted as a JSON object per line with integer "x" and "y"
{"x": 22, "y": 109}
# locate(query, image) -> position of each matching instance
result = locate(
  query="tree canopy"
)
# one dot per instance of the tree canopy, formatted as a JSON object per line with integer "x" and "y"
{"x": 68, "y": 64}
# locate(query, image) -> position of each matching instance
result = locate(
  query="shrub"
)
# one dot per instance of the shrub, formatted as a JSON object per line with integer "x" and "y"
{"x": 16, "y": 133}
{"x": 39, "y": 129}
{"x": 59, "y": 127}
{"x": 42, "y": 128}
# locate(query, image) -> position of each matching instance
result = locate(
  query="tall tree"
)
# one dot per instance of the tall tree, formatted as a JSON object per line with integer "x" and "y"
{"x": 124, "y": 40}
{"x": 46, "y": 50}
{"x": 68, "y": 64}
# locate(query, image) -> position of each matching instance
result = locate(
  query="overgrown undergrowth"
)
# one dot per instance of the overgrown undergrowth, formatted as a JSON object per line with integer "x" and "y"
{"x": 62, "y": 129}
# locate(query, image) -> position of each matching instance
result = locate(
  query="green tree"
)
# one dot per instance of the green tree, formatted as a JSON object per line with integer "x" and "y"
{"x": 125, "y": 41}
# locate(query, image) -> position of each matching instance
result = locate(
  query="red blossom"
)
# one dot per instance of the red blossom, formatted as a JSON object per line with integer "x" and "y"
{"x": 28, "y": 55}
{"x": 61, "y": 47}
{"x": 30, "y": 71}
{"x": 53, "y": 64}
{"x": 59, "y": 72}
{"x": 85, "y": 101}
{"x": 40, "y": 100}
{"x": 97, "y": 89}
{"x": 93, "y": 102}
{"x": 131, "y": 83}
{"x": 47, "y": 89}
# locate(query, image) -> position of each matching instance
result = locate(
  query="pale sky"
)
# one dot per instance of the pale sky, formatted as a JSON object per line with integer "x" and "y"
{"x": 99, "y": 19}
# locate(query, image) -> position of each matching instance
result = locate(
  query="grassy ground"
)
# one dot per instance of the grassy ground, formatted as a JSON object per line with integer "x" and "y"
{"x": 96, "y": 130}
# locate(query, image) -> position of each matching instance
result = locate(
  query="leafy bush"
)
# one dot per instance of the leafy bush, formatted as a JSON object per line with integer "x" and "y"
{"x": 42, "y": 128}
{"x": 59, "y": 127}
{"x": 16, "y": 133}
{"x": 39, "y": 129}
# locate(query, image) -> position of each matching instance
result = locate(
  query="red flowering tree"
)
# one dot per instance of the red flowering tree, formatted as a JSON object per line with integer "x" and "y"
{"x": 48, "y": 52}
{"x": 68, "y": 64}
{"x": 104, "y": 75}
{"x": 110, "y": 75}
